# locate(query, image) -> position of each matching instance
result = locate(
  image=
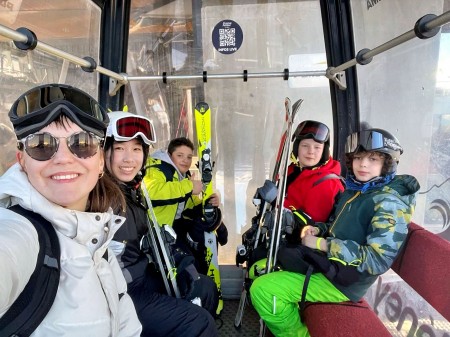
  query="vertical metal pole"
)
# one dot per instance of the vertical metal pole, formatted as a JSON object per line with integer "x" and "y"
{"x": 339, "y": 45}
{"x": 114, "y": 48}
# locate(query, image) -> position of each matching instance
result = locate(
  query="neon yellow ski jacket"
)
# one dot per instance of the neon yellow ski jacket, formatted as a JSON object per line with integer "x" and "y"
{"x": 169, "y": 190}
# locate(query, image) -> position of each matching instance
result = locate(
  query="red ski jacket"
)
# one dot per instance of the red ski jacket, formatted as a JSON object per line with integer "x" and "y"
{"x": 314, "y": 191}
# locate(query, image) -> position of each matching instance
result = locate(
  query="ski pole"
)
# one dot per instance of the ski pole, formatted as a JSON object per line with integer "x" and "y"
{"x": 162, "y": 243}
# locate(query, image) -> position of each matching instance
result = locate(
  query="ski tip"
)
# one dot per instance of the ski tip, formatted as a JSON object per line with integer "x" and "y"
{"x": 287, "y": 103}
{"x": 296, "y": 106}
{"x": 298, "y": 102}
{"x": 287, "y": 107}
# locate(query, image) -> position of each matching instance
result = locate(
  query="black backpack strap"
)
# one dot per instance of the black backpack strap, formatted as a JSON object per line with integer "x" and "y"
{"x": 167, "y": 169}
{"x": 294, "y": 174}
{"x": 330, "y": 176}
{"x": 302, "y": 303}
{"x": 35, "y": 301}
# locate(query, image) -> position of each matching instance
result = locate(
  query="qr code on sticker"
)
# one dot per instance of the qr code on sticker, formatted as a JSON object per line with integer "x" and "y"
{"x": 227, "y": 37}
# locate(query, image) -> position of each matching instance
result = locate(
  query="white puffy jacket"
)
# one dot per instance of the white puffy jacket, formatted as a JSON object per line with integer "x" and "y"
{"x": 87, "y": 302}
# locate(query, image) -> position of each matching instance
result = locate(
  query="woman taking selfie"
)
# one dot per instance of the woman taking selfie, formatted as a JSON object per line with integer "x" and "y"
{"x": 59, "y": 175}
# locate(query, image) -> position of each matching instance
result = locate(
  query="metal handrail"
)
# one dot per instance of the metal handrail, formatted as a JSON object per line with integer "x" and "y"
{"x": 426, "y": 27}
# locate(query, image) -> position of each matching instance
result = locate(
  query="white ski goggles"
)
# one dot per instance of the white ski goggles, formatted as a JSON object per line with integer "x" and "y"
{"x": 129, "y": 127}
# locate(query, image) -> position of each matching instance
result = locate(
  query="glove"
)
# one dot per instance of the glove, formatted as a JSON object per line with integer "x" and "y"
{"x": 268, "y": 192}
{"x": 302, "y": 219}
{"x": 268, "y": 222}
{"x": 186, "y": 272}
{"x": 346, "y": 275}
{"x": 222, "y": 234}
{"x": 181, "y": 259}
{"x": 186, "y": 280}
{"x": 291, "y": 257}
{"x": 336, "y": 271}
{"x": 249, "y": 235}
{"x": 294, "y": 221}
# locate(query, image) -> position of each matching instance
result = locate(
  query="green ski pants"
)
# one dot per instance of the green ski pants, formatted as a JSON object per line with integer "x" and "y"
{"x": 276, "y": 297}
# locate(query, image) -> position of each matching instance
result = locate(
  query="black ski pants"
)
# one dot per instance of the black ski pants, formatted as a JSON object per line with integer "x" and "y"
{"x": 163, "y": 315}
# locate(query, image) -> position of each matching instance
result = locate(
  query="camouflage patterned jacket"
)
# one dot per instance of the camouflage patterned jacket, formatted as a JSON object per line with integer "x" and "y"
{"x": 369, "y": 229}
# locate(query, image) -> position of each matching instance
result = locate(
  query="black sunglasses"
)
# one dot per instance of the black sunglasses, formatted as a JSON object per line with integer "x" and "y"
{"x": 43, "y": 146}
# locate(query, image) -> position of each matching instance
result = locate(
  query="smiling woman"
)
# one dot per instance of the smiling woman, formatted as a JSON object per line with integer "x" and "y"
{"x": 59, "y": 175}
{"x": 67, "y": 177}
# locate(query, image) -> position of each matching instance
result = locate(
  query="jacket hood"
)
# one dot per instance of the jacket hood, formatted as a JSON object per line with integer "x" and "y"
{"x": 404, "y": 186}
{"x": 89, "y": 287}
{"x": 164, "y": 156}
{"x": 15, "y": 188}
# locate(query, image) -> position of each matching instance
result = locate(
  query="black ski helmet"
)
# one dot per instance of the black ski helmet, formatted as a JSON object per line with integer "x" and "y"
{"x": 378, "y": 140}
{"x": 318, "y": 131}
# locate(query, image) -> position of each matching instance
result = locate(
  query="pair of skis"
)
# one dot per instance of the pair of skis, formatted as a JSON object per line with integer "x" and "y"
{"x": 282, "y": 166}
{"x": 267, "y": 224}
{"x": 205, "y": 165}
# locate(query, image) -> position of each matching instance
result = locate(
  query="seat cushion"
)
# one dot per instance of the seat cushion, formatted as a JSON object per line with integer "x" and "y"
{"x": 345, "y": 319}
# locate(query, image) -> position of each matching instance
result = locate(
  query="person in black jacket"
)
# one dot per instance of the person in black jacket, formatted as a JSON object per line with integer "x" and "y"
{"x": 127, "y": 145}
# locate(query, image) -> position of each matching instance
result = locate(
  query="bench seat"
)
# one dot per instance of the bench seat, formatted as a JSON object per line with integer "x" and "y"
{"x": 423, "y": 264}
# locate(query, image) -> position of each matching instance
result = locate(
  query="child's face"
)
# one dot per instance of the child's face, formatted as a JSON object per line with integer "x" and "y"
{"x": 309, "y": 152}
{"x": 367, "y": 165}
{"x": 125, "y": 159}
{"x": 182, "y": 158}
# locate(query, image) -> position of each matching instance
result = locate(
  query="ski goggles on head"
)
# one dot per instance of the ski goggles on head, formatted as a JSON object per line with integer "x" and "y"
{"x": 40, "y": 106}
{"x": 129, "y": 127}
{"x": 43, "y": 146}
{"x": 314, "y": 130}
{"x": 371, "y": 140}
